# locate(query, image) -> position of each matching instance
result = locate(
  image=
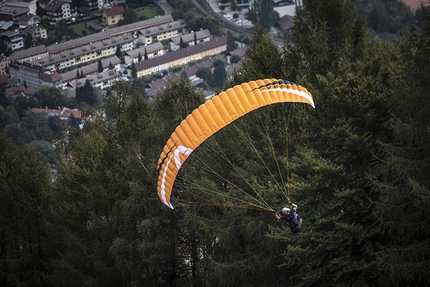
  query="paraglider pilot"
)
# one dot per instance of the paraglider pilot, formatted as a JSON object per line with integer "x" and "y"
{"x": 289, "y": 215}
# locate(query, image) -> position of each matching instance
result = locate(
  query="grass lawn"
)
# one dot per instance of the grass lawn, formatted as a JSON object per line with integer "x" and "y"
{"x": 80, "y": 27}
{"x": 149, "y": 11}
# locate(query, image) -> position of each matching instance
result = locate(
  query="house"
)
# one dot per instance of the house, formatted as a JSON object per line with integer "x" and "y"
{"x": 112, "y": 15}
{"x": 4, "y": 64}
{"x": 29, "y": 55}
{"x": 33, "y": 75}
{"x": 162, "y": 32}
{"x": 9, "y": 12}
{"x": 190, "y": 39}
{"x": 4, "y": 81}
{"x": 238, "y": 52}
{"x": 191, "y": 71}
{"x": 8, "y": 25}
{"x": 15, "y": 91}
{"x": 152, "y": 50}
{"x": 27, "y": 20}
{"x": 64, "y": 114}
{"x": 82, "y": 54}
{"x": 69, "y": 78}
{"x": 92, "y": 5}
{"x": 60, "y": 10}
{"x": 182, "y": 56}
{"x": 130, "y": 30}
{"x": 12, "y": 40}
{"x": 49, "y": 78}
{"x": 36, "y": 32}
{"x": 286, "y": 22}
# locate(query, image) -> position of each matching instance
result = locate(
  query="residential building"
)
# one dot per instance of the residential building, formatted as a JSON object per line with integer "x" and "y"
{"x": 82, "y": 54}
{"x": 93, "y": 5}
{"x": 238, "y": 52}
{"x": 36, "y": 32}
{"x": 27, "y": 20}
{"x": 190, "y": 39}
{"x": 152, "y": 50}
{"x": 162, "y": 32}
{"x": 60, "y": 10}
{"x": 191, "y": 71}
{"x": 132, "y": 29}
{"x": 181, "y": 57}
{"x": 89, "y": 70}
{"x": 286, "y": 22}
{"x": 64, "y": 114}
{"x": 4, "y": 64}
{"x": 101, "y": 80}
{"x": 12, "y": 40}
{"x": 4, "y": 81}
{"x": 15, "y": 91}
{"x": 29, "y": 5}
{"x": 12, "y": 13}
{"x": 29, "y": 55}
{"x": 33, "y": 75}
{"x": 112, "y": 15}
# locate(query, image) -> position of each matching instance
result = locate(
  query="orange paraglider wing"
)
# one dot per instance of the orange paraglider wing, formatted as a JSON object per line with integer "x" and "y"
{"x": 215, "y": 114}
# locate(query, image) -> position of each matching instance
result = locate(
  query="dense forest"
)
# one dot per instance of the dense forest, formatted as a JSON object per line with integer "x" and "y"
{"x": 356, "y": 165}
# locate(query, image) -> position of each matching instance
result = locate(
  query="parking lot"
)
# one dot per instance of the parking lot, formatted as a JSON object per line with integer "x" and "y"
{"x": 236, "y": 17}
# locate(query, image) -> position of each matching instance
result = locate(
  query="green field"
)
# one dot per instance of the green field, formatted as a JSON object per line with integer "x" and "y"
{"x": 149, "y": 11}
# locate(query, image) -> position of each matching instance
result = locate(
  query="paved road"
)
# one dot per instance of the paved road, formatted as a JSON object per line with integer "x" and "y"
{"x": 165, "y": 6}
{"x": 211, "y": 8}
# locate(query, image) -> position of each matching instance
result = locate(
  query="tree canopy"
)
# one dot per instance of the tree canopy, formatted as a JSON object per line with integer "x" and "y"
{"x": 356, "y": 165}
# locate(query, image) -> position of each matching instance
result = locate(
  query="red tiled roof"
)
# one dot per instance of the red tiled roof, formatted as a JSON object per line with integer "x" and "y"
{"x": 14, "y": 90}
{"x": 114, "y": 10}
{"x": 3, "y": 79}
{"x": 51, "y": 78}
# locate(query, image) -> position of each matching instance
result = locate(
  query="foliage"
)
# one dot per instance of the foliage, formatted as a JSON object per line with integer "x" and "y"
{"x": 262, "y": 60}
{"x": 214, "y": 25}
{"x": 219, "y": 75}
{"x": 176, "y": 101}
{"x": 262, "y": 12}
{"x": 89, "y": 95}
{"x": 231, "y": 45}
{"x": 24, "y": 182}
{"x": 402, "y": 178}
{"x": 205, "y": 74}
{"x": 386, "y": 19}
{"x": 99, "y": 222}
{"x": 235, "y": 59}
{"x": 130, "y": 16}
{"x": 50, "y": 97}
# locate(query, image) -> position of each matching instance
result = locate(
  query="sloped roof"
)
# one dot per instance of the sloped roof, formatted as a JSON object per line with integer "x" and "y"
{"x": 3, "y": 79}
{"x": 14, "y": 90}
{"x": 31, "y": 29}
{"x": 217, "y": 42}
{"x": 50, "y": 78}
{"x": 239, "y": 52}
{"x": 190, "y": 37}
{"x": 114, "y": 10}
{"x": 286, "y": 22}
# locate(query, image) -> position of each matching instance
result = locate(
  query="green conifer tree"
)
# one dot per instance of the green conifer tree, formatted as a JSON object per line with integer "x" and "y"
{"x": 24, "y": 183}
{"x": 402, "y": 174}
